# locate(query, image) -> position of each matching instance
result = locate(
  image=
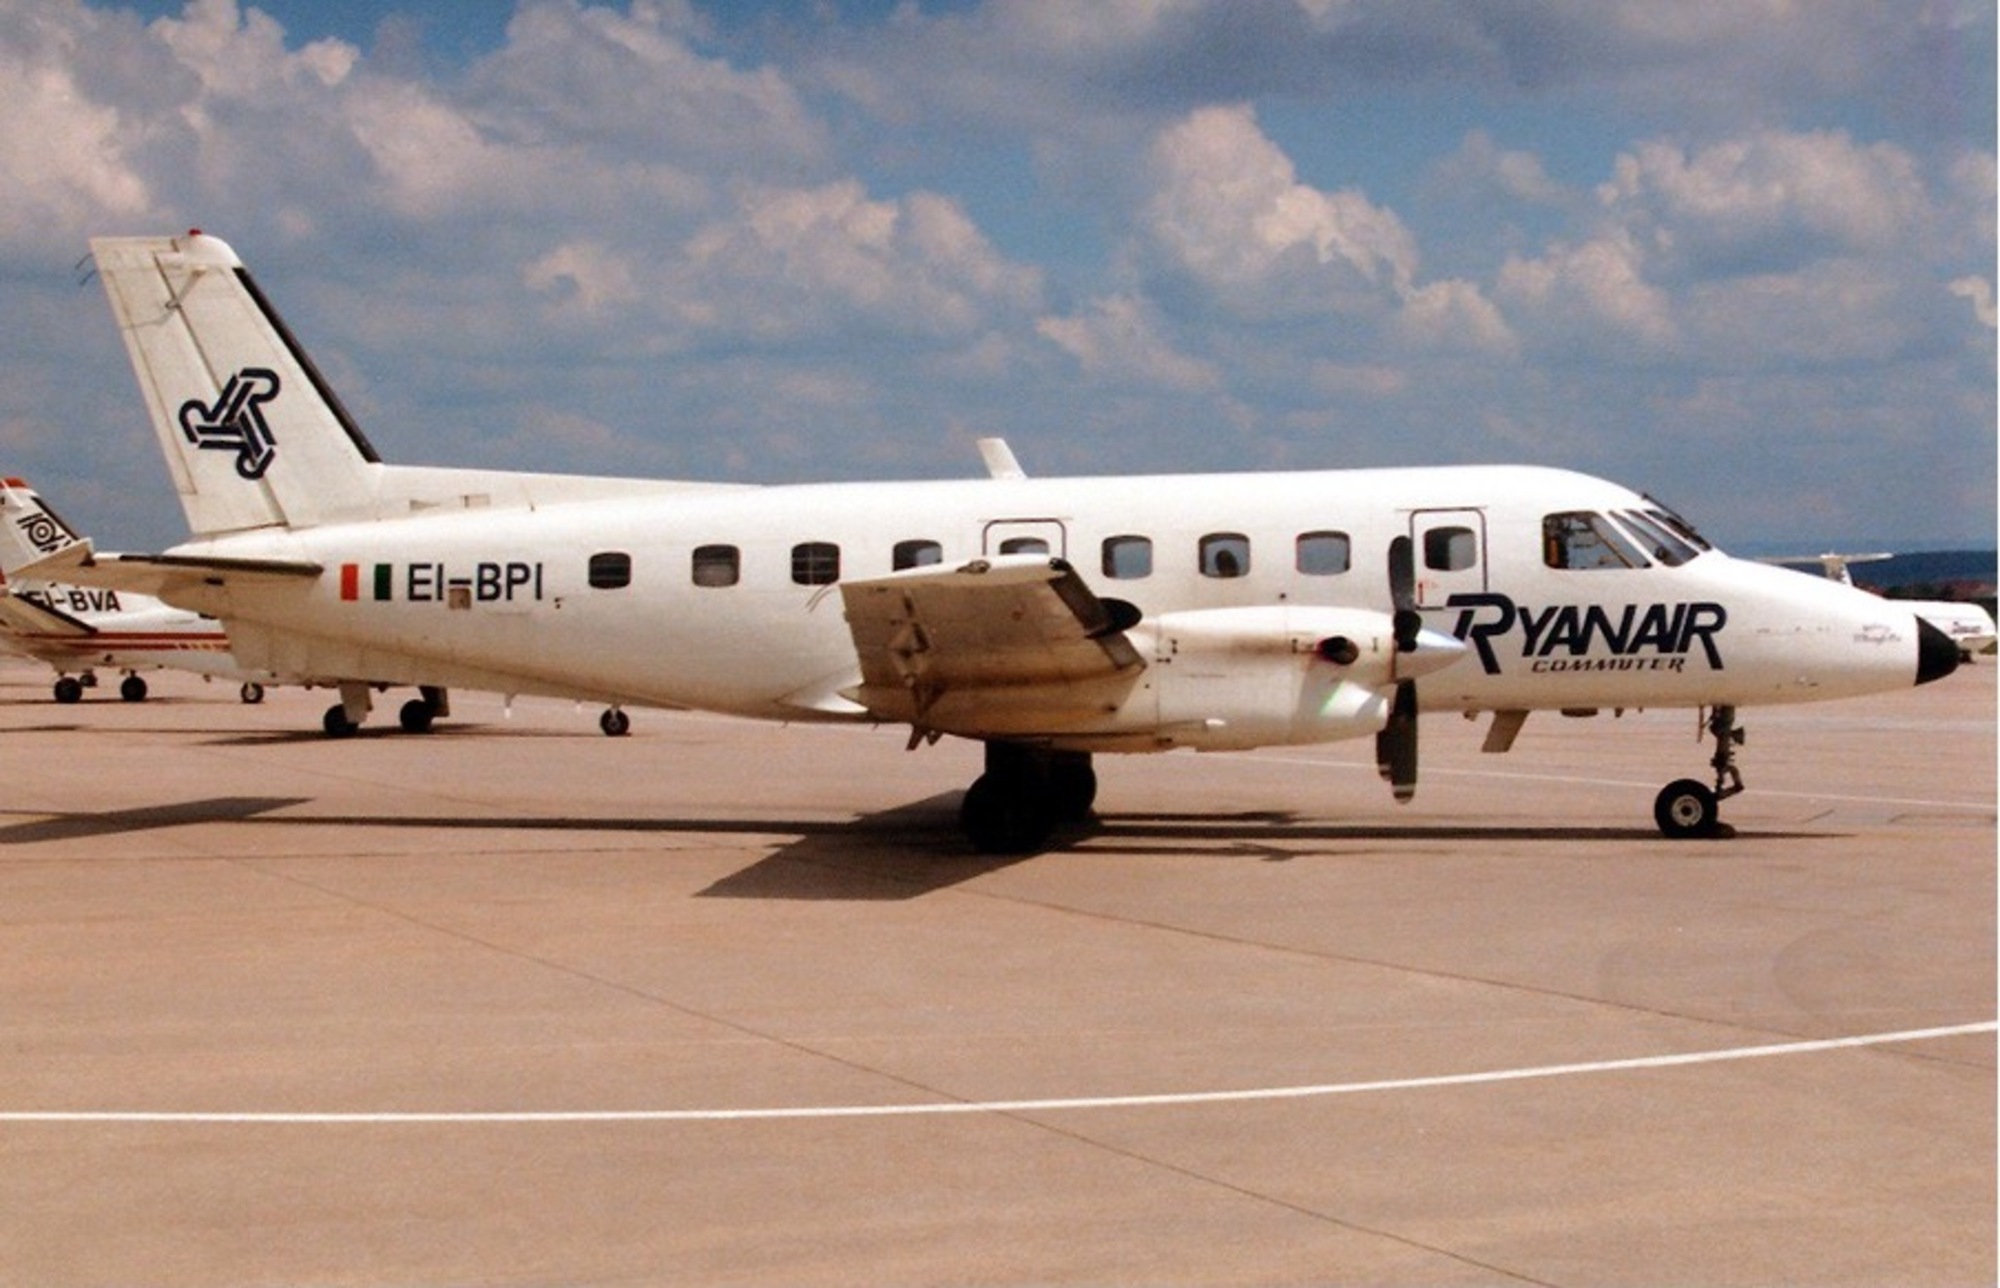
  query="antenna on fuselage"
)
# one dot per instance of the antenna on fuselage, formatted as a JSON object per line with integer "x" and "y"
{"x": 999, "y": 458}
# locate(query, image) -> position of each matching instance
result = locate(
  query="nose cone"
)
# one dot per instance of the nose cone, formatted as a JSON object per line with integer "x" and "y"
{"x": 1937, "y": 656}
{"x": 1434, "y": 651}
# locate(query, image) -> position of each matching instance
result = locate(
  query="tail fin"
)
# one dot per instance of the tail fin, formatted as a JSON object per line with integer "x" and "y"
{"x": 30, "y": 532}
{"x": 252, "y": 434}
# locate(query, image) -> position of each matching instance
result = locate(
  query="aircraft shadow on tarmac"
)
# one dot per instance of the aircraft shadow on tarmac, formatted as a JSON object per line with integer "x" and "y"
{"x": 895, "y": 854}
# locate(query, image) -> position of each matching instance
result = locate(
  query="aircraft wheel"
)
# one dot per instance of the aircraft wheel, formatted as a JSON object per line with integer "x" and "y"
{"x": 615, "y": 723}
{"x": 1685, "y": 809}
{"x": 69, "y": 689}
{"x": 133, "y": 689}
{"x": 251, "y": 692}
{"x": 1072, "y": 786}
{"x": 416, "y": 716}
{"x": 1001, "y": 817}
{"x": 336, "y": 723}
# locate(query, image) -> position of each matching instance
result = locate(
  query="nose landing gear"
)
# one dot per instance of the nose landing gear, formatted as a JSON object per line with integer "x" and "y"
{"x": 1685, "y": 808}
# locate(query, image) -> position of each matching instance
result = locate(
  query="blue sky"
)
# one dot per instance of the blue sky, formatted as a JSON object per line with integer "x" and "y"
{"x": 1741, "y": 256}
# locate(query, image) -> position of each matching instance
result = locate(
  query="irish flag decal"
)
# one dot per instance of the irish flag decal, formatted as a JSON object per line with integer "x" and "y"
{"x": 350, "y": 581}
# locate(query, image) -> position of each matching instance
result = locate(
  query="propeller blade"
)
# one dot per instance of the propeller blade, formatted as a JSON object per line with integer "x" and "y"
{"x": 1396, "y": 745}
{"x": 1403, "y": 594}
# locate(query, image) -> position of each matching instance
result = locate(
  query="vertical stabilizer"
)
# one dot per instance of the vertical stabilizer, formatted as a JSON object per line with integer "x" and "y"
{"x": 252, "y": 434}
{"x": 30, "y": 532}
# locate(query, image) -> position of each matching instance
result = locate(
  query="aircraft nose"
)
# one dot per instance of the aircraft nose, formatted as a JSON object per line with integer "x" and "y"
{"x": 1937, "y": 656}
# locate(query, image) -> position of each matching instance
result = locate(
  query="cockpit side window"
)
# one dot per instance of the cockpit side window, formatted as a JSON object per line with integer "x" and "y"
{"x": 1582, "y": 541}
{"x": 1677, "y": 524}
{"x": 1663, "y": 542}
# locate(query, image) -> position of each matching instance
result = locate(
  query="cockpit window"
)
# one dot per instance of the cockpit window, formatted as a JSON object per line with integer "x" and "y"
{"x": 1583, "y": 541}
{"x": 1666, "y": 514}
{"x": 1665, "y": 544}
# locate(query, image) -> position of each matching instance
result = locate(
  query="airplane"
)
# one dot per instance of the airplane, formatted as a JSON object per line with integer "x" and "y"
{"x": 77, "y": 629}
{"x": 1051, "y": 619}
{"x": 1969, "y": 626}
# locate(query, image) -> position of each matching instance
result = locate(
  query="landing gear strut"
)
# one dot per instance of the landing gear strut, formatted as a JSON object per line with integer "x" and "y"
{"x": 1685, "y": 808}
{"x": 1024, "y": 793}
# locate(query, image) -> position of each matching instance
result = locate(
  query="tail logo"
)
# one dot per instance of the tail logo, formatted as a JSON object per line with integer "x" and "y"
{"x": 236, "y": 422}
{"x": 44, "y": 533}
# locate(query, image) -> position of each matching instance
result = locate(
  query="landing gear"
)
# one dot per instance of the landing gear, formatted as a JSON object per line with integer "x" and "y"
{"x": 132, "y": 689}
{"x": 252, "y": 693}
{"x": 337, "y": 724}
{"x": 420, "y": 712}
{"x": 614, "y": 722}
{"x": 69, "y": 689}
{"x": 1686, "y": 809}
{"x": 1024, "y": 793}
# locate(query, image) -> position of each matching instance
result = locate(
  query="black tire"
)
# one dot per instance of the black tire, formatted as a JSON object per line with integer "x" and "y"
{"x": 336, "y": 723}
{"x": 132, "y": 689}
{"x": 1072, "y": 786}
{"x": 252, "y": 692}
{"x": 417, "y": 715}
{"x": 1000, "y": 818}
{"x": 615, "y": 723}
{"x": 69, "y": 689}
{"x": 1686, "y": 810}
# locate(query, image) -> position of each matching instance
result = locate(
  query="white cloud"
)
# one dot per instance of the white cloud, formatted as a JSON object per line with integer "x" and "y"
{"x": 1594, "y": 295}
{"x": 1228, "y": 210}
{"x": 1767, "y": 197}
{"x": 1118, "y": 341}
{"x": 821, "y": 261}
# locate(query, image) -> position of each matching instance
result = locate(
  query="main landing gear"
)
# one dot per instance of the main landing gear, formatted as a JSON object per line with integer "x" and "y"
{"x": 1685, "y": 808}
{"x": 343, "y": 719}
{"x": 1024, "y": 794}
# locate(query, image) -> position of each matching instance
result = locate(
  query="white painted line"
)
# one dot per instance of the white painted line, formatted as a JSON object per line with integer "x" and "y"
{"x": 506, "y": 1117}
{"x": 1257, "y": 758}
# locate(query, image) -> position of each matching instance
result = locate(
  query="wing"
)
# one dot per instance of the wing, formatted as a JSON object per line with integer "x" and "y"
{"x": 1008, "y": 646}
{"x": 20, "y": 615}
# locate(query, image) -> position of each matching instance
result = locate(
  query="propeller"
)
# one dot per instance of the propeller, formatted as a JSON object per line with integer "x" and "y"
{"x": 1396, "y": 744}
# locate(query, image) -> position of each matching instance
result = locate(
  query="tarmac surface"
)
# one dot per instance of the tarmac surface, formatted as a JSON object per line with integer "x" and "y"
{"x": 721, "y": 1003}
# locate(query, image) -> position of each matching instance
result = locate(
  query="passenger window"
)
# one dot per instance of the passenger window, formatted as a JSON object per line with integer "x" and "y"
{"x": 1225, "y": 554}
{"x": 1323, "y": 554}
{"x": 717, "y": 565}
{"x": 1128, "y": 558}
{"x": 1024, "y": 546}
{"x": 915, "y": 554}
{"x": 1582, "y": 541}
{"x": 611, "y": 570}
{"x": 815, "y": 563}
{"x": 1450, "y": 549}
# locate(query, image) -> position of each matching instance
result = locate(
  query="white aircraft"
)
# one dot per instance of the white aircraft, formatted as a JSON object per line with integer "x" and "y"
{"x": 1050, "y": 619}
{"x": 1969, "y": 626}
{"x": 77, "y": 629}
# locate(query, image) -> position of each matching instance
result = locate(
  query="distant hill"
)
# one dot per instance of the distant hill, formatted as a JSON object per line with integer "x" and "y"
{"x": 1968, "y": 568}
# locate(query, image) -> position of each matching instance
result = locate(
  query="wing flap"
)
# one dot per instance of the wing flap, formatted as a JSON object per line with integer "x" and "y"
{"x": 1002, "y": 636}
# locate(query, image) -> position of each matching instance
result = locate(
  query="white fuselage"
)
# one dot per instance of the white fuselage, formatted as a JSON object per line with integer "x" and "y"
{"x": 502, "y": 597}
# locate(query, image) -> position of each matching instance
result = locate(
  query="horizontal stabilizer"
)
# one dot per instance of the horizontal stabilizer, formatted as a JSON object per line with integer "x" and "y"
{"x": 162, "y": 575}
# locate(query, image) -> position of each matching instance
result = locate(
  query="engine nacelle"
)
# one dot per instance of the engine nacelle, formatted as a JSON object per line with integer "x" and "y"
{"x": 1235, "y": 678}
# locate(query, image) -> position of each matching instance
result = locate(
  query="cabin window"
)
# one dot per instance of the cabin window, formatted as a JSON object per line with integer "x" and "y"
{"x": 915, "y": 554}
{"x": 610, "y": 570}
{"x": 1024, "y": 546}
{"x": 1323, "y": 554}
{"x": 1660, "y": 540}
{"x": 1128, "y": 558}
{"x": 815, "y": 563}
{"x": 1581, "y": 541}
{"x": 717, "y": 565}
{"x": 1225, "y": 554}
{"x": 1450, "y": 549}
